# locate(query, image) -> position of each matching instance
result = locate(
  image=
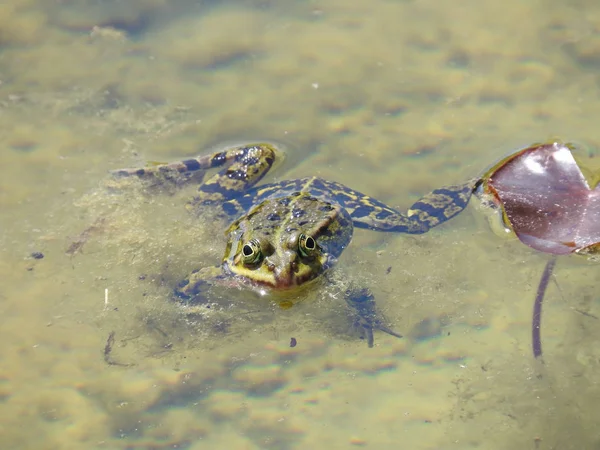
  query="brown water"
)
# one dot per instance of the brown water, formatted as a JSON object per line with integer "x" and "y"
{"x": 394, "y": 98}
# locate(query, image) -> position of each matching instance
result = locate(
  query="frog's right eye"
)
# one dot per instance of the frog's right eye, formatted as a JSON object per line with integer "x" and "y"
{"x": 307, "y": 246}
{"x": 251, "y": 252}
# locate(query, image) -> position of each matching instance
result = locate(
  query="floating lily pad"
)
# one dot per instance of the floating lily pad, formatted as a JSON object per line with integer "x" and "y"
{"x": 547, "y": 200}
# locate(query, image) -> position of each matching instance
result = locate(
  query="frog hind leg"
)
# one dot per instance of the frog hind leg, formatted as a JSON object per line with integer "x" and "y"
{"x": 431, "y": 210}
{"x": 241, "y": 168}
{"x": 441, "y": 205}
{"x": 366, "y": 318}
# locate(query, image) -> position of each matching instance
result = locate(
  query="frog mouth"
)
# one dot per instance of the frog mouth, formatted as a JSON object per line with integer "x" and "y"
{"x": 286, "y": 278}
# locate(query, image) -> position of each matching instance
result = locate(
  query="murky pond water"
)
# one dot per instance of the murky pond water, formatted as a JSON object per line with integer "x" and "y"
{"x": 393, "y": 98}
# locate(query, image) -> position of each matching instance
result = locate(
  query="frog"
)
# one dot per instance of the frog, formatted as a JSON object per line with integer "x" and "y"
{"x": 283, "y": 236}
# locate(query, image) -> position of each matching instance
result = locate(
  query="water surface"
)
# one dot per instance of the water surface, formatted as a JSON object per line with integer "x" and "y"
{"x": 394, "y": 98}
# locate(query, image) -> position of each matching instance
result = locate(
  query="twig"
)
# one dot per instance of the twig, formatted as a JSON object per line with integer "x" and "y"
{"x": 108, "y": 349}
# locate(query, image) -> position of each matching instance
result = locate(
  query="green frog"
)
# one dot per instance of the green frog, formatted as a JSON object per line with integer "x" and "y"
{"x": 285, "y": 235}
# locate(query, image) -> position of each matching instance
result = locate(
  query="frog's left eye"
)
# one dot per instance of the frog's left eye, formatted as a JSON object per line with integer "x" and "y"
{"x": 307, "y": 246}
{"x": 251, "y": 252}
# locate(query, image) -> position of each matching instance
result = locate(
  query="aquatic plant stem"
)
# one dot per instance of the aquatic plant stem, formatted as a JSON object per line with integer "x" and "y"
{"x": 537, "y": 308}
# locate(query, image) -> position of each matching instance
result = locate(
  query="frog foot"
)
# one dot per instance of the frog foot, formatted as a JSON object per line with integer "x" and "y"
{"x": 196, "y": 283}
{"x": 366, "y": 318}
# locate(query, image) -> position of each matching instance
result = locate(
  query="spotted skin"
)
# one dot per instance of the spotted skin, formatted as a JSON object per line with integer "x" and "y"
{"x": 286, "y": 234}
{"x": 234, "y": 189}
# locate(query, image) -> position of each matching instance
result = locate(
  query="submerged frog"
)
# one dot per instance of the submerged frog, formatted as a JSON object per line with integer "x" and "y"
{"x": 286, "y": 234}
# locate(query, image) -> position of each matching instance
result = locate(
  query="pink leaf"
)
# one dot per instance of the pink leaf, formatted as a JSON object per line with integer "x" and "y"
{"x": 547, "y": 200}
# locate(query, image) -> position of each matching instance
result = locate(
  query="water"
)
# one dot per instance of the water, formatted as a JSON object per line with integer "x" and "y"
{"x": 392, "y": 98}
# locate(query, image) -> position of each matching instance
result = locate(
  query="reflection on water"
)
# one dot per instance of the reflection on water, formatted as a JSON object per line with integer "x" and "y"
{"x": 391, "y": 98}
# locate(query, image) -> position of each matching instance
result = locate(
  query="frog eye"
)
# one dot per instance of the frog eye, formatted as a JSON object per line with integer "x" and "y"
{"x": 307, "y": 246}
{"x": 251, "y": 252}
